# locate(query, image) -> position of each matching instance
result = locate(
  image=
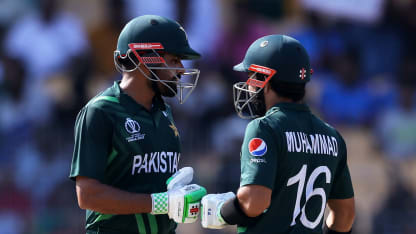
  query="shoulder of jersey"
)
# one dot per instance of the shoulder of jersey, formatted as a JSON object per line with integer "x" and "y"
{"x": 271, "y": 116}
{"x": 260, "y": 122}
{"x": 103, "y": 101}
{"x": 330, "y": 127}
{"x": 275, "y": 111}
{"x": 323, "y": 122}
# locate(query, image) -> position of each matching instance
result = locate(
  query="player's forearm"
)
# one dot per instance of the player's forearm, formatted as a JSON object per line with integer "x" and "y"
{"x": 105, "y": 199}
{"x": 340, "y": 221}
{"x": 254, "y": 199}
{"x": 249, "y": 207}
{"x": 341, "y": 214}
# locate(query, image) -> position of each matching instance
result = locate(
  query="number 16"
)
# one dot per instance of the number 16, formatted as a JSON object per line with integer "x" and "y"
{"x": 310, "y": 191}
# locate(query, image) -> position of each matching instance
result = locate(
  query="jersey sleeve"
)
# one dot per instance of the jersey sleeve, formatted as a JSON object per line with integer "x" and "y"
{"x": 342, "y": 185}
{"x": 258, "y": 155}
{"x": 93, "y": 131}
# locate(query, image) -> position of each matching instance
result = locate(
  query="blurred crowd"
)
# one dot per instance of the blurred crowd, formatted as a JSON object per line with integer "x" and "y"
{"x": 56, "y": 55}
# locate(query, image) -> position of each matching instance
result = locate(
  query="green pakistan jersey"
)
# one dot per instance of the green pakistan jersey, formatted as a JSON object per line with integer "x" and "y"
{"x": 120, "y": 143}
{"x": 302, "y": 160}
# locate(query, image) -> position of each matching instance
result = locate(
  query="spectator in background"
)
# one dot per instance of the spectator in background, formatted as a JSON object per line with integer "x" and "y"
{"x": 396, "y": 213}
{"x": 103, "y": 38}
{"x": 37, "y": 47}
{"x": 369, "y": 11}
{"x": 395, "y": 131}
{"x": 10, "y": 10}
{"x": 366, "y": 27}
{"x": 204, "y": 23}
{"x": 15, "y": 205}
{"x": 23, "y": 146}
{"x": 21, "y": 107}
{"x": 321, "y": 38}
{"x": 347, "y": 98}
{"x": 59, "y": 216}
{"x": 396, "y": 127}
{"x": 401, "y": 16}
{"x": 46, "y": 40}
{"x": 245, "y": 27}
{"x": 51, "y": 44}
{"x": 201, "y": 18}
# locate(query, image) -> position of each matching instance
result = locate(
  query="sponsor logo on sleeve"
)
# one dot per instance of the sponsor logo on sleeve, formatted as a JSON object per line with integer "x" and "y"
{"x": 257, "y": 148}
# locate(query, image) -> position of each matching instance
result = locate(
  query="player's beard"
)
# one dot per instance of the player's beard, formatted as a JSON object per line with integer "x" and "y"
{"x": 162, "y": 86}
{"x": 259, "y": 104}
{"x": 168, "y": 92}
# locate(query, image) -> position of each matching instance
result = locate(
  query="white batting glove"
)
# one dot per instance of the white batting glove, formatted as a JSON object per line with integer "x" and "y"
{"x": 182, "y": 201}
{"x": 181, "y": 178}
{"x": 211, "y": 206}
{"x": 181, "y": 204}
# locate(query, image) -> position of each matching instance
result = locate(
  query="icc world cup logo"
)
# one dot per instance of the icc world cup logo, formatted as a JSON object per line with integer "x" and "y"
{"x": 132, "y": 126}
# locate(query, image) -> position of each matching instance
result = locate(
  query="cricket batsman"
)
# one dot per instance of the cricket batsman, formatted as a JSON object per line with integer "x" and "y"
{"x": 127, "y": 147}
{"x": 292, "y": 163}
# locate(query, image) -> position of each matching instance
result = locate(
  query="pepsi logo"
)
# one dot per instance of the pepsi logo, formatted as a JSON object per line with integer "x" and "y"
{"x": 257, "y": 147}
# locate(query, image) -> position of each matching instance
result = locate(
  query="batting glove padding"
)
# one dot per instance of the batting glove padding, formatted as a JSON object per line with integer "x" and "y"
{"x": 211, "y": 206}
{"x": 181, "y": 178}
{"x": 181, "y": 204}
{"x": 182, "y": 201}
{"x": 185, "y": 203}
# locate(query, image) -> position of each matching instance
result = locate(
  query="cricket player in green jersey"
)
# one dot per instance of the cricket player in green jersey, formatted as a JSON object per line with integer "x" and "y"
{"x": 127, "y": 148}
{"x": 292, "y": 163}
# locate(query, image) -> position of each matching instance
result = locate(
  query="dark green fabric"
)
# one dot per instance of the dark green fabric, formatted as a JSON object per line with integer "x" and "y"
{"x": 283, "y": 54}
{"x": 156, "y": 29}
{"x": 137, "y": 161}
{"x": 288, "y": 129}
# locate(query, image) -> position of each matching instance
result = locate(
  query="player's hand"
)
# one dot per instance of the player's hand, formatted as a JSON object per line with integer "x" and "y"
{"x": 182, "y": 201}
{"x": 185, "y": 203}
{"x": 181, "y": 178}
{"x": 181, "y": 204}
{"x": 211, "y": 206}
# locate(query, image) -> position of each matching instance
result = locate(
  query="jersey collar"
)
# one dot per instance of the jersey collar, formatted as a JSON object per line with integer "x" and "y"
{"x": 132, "y": 105}
{"x": 289, "y": 106}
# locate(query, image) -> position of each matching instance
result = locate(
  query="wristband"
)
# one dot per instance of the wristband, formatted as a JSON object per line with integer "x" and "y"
{"x": 232, "y": 214}
{"x": 160, "y": 204}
